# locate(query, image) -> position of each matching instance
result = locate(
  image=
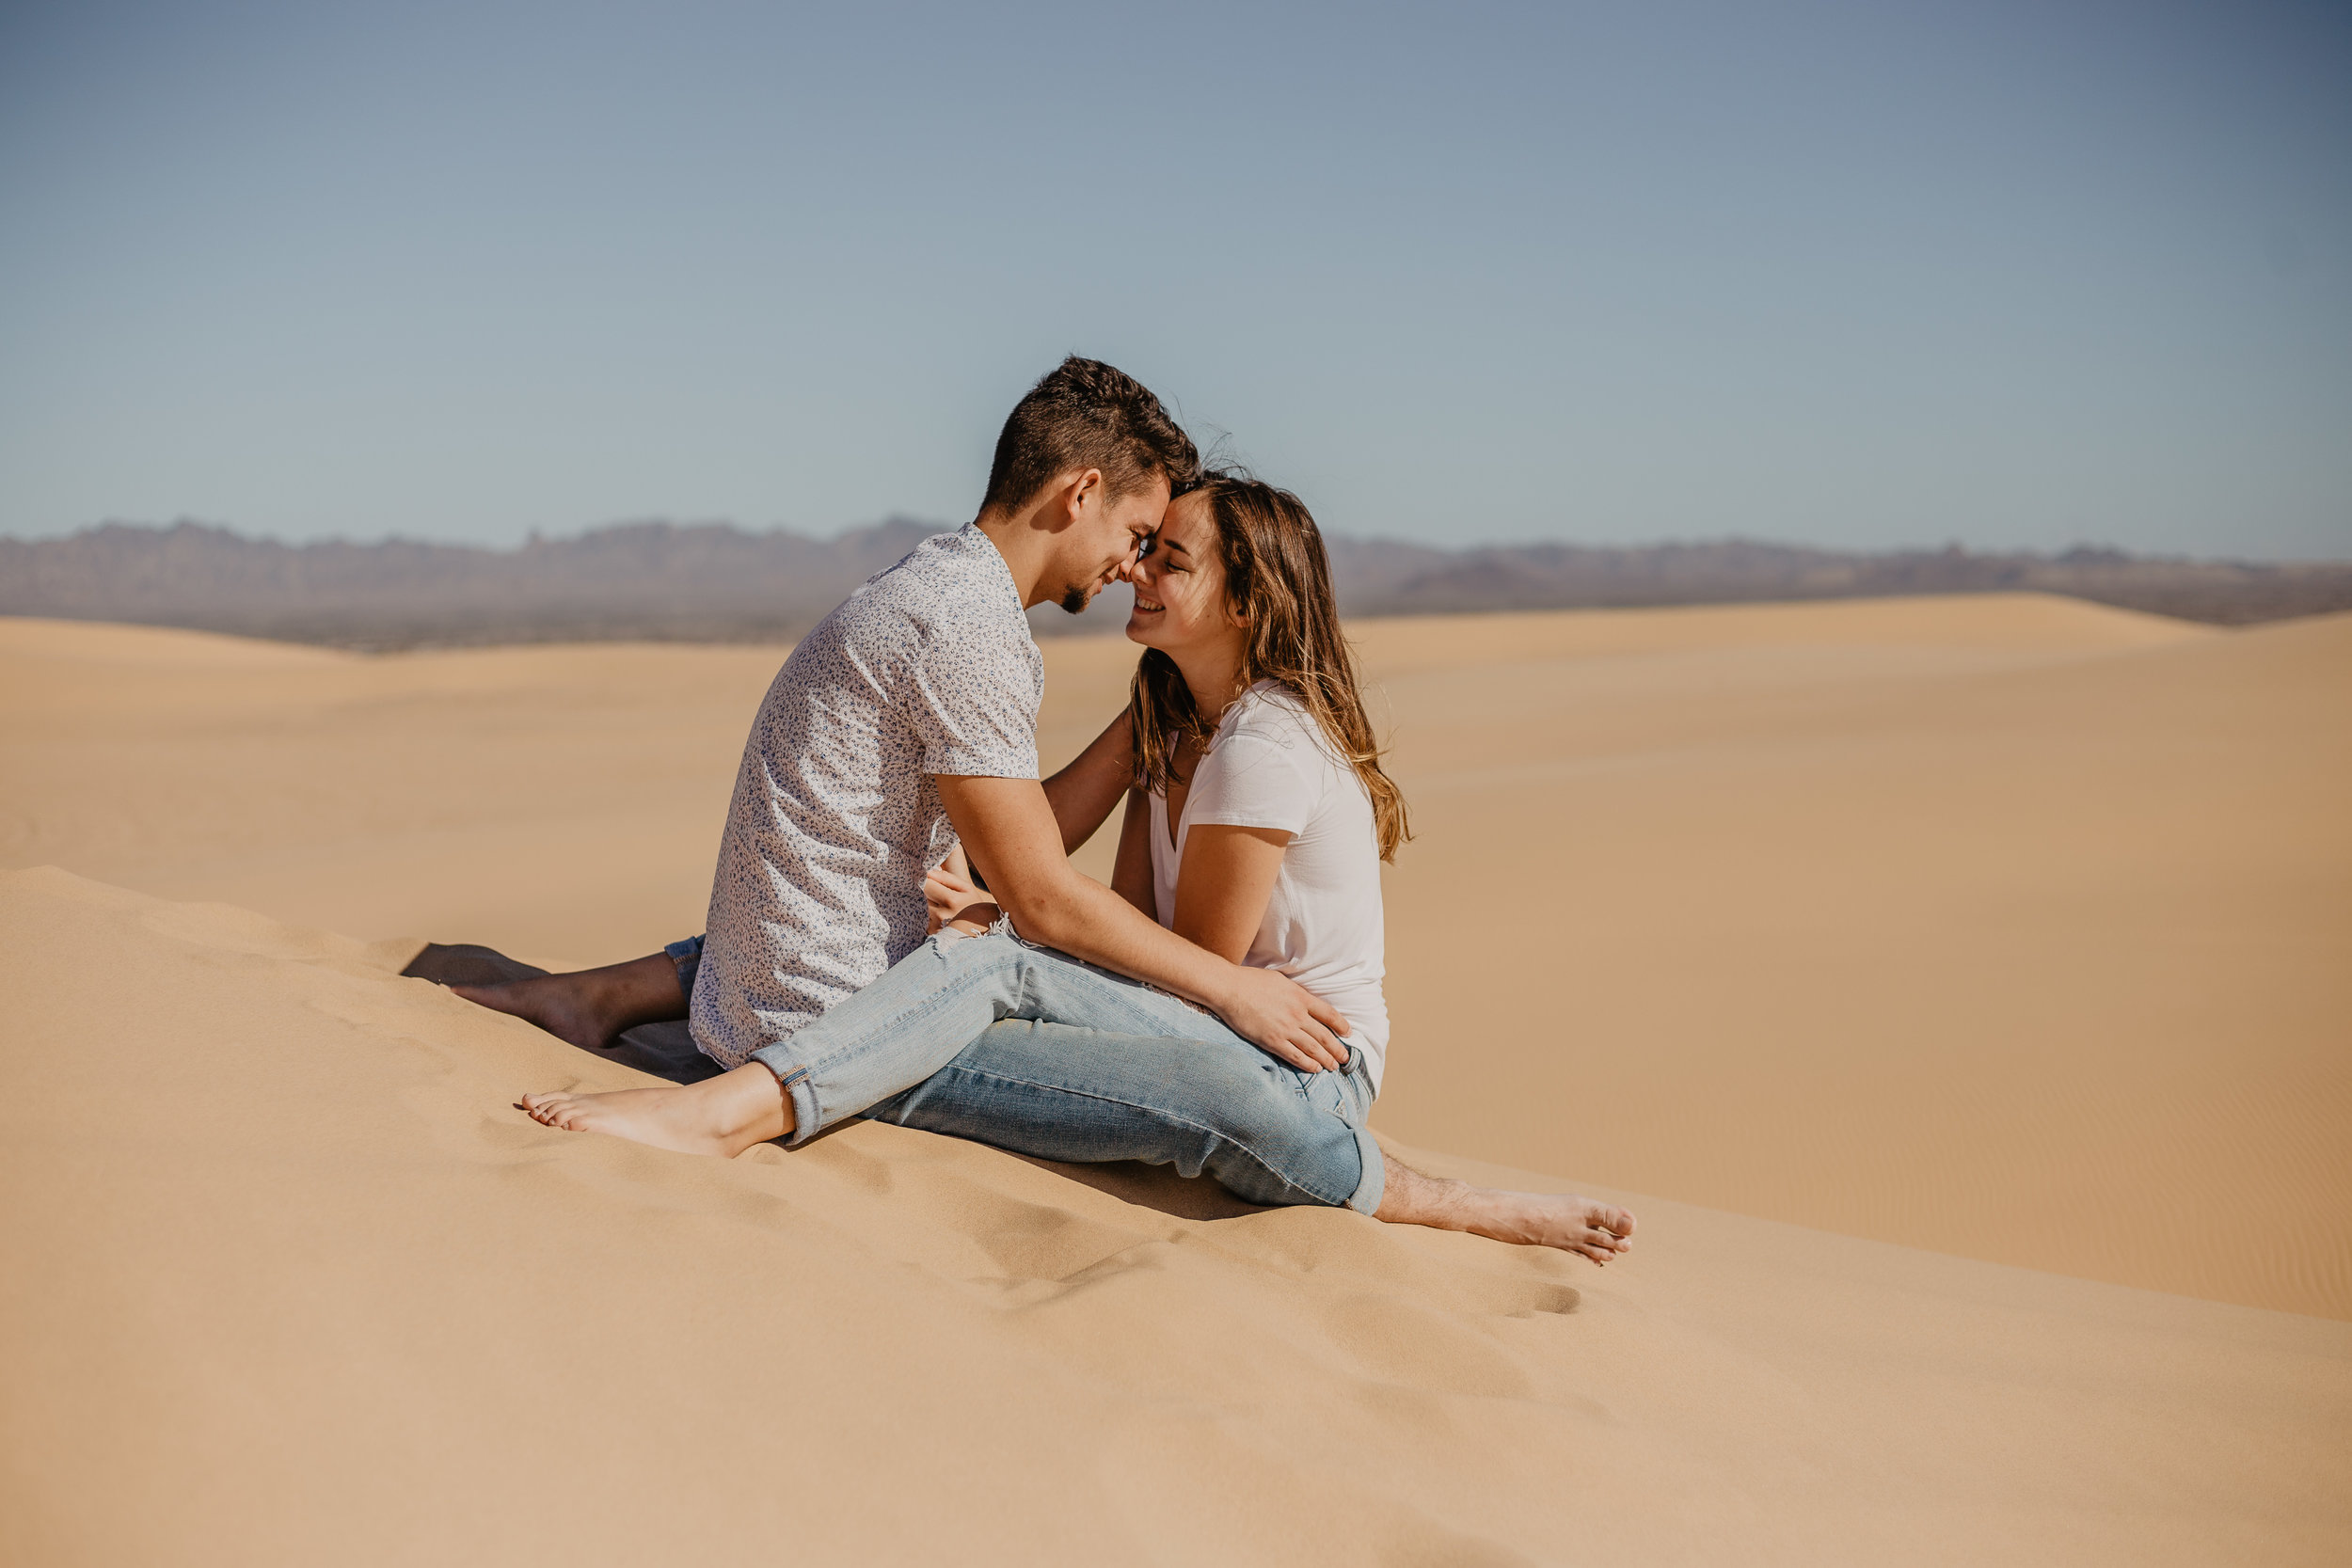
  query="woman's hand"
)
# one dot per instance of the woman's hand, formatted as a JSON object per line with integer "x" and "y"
{"x": 955, "y": 899}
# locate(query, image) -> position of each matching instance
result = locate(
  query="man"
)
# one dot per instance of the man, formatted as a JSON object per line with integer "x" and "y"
{"x": 906, "y": 722}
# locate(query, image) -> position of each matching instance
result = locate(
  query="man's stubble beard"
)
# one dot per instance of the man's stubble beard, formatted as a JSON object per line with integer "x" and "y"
{"x": 1075, "y": 599}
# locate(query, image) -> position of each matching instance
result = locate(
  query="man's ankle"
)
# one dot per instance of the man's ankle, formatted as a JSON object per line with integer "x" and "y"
{"x": 643, "y": 990}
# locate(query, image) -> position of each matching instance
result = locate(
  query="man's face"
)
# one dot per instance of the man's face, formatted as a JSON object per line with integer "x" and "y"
{"x": 1099, "y": 547}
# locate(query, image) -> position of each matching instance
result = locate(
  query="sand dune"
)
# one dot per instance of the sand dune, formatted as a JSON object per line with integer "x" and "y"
{"x": 2046, "y": 960}
{"x": 2005, "y": 925}
{"x": 287, "y": 1282}
{"x": 2009, "y": 927}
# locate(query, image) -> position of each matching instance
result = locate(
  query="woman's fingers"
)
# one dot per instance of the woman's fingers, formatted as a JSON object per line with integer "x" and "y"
{"x": 946, "y": 896}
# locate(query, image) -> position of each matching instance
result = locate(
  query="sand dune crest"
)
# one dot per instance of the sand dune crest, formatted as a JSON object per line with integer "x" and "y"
{"x": 1965, "y": 922}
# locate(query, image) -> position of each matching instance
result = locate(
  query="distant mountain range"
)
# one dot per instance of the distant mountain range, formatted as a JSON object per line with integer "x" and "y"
{"x": 715, "y": 582}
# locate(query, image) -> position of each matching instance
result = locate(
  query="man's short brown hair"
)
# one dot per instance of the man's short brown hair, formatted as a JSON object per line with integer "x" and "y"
{"x": 1087, "y": 415}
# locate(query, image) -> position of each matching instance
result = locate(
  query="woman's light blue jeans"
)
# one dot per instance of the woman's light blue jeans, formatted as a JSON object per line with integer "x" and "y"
{"x": 997, "y": 1039}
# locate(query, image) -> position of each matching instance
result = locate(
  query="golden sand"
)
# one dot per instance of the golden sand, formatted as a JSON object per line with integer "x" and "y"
{"x": 2007, "y": 927}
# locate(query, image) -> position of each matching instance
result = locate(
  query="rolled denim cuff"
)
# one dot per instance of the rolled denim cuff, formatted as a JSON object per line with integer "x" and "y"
{"x": 688, "y": 958}
{"x": 1366, "y": 1197}
{"x": 793, "y": 1077}
{"x": 1370, "y": 1187}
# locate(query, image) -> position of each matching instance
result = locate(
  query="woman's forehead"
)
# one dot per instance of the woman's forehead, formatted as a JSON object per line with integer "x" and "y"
{"x": 1187, "y": 522}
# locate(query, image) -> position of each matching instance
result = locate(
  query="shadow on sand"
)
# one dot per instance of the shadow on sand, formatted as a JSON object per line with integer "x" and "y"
{"x": 667, "y": 1051}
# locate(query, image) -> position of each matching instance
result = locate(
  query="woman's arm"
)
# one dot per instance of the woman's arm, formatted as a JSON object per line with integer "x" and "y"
{"x": 1223, "y": 886}
{"x": 1083, "y": 793}
{"x": 1132, "y": 878}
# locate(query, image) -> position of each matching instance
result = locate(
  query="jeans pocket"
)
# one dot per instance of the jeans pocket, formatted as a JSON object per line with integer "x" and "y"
{"x": 1345, "y": 1094}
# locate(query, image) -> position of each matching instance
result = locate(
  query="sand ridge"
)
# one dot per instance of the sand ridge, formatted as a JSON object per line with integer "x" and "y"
{"x": 1969, "y": 923}
{"x": 2007, "y": 926}
{"x": 288, "y": 1281}
{"x": 2046, "y": 963}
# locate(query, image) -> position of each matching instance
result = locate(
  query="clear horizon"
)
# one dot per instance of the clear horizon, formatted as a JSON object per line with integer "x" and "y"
{"x": 563, "y": 535}
{"x": 1859, "y": 278}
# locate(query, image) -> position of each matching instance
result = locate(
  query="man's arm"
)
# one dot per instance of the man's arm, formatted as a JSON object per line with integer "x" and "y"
{"x": 1083, "y": 793}
{"x": 1009, "y": 830}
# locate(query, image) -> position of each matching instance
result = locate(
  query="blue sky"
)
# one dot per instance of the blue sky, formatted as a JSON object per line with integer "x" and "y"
{"x": 1856, "y": 275}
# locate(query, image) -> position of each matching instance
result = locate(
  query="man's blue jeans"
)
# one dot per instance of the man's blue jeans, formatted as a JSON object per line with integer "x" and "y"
{"x": 998, "y": 1039}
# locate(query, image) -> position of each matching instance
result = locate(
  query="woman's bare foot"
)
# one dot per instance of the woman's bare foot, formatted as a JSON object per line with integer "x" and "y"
{"x": 590, "y": 1007}
{"x": 723, "y": 1116}
{"x": 1599, "y": 1231}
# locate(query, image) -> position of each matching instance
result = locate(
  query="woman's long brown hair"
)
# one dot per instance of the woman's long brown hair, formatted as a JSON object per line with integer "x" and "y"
{"x": 1277, "y": 581}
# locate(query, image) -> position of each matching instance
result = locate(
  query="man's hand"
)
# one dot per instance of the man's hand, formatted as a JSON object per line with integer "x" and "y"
{"x": 1013, "y": 838}
{"x": 1284, "y": 1019}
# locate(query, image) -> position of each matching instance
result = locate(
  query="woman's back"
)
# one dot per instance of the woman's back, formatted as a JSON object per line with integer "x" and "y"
{"x": 1271, "y": 767}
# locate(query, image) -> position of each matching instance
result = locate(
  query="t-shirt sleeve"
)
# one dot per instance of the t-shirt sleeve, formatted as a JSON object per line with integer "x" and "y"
{"x": 1259, "y": 778}
{"x": 972, "y": 699}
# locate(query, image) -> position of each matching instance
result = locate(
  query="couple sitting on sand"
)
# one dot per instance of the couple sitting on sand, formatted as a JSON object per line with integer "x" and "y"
{"x": 895, "y": 930}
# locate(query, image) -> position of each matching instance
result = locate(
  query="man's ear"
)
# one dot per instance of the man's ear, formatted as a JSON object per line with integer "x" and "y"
{"x": 1083, "y": 491}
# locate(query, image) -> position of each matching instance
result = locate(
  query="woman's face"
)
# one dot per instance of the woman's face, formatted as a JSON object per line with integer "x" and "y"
{"x": 1180, "y": 584}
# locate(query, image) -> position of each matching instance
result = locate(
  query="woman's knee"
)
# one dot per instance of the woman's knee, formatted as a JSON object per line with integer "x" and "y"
{"x": 1283, "y": 1147}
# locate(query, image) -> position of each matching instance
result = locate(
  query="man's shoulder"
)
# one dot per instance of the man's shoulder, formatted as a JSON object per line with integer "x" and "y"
{"x": 949, "y": 579}
{"x": 936, "y": 611}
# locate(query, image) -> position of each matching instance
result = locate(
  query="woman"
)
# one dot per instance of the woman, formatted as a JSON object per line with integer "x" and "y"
{"x": 1255, "y": 827}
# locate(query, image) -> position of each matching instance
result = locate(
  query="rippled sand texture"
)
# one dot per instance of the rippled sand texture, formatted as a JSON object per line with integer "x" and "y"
{"x": 2010, "y": 928}
{"x": 2019, "y": 930}
{"x": 287, "y": 1282}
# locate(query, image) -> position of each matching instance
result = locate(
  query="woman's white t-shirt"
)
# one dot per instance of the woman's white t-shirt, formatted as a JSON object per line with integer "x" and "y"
{"x": 1269, "y": 766}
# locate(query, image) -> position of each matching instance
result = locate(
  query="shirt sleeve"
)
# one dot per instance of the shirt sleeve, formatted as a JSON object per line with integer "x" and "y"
{"x": 1255, "y": 779}
{"x": 972, "y": 700}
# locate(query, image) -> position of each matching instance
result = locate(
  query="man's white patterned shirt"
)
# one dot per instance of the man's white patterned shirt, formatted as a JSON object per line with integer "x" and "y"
{"x": 928, "y": 669}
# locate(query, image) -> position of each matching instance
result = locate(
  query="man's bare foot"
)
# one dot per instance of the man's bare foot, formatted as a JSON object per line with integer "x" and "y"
{"x": 723, "y": 1116}
{"x": 590, "y": 1007}
{"x": 1599, "y": 1231}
